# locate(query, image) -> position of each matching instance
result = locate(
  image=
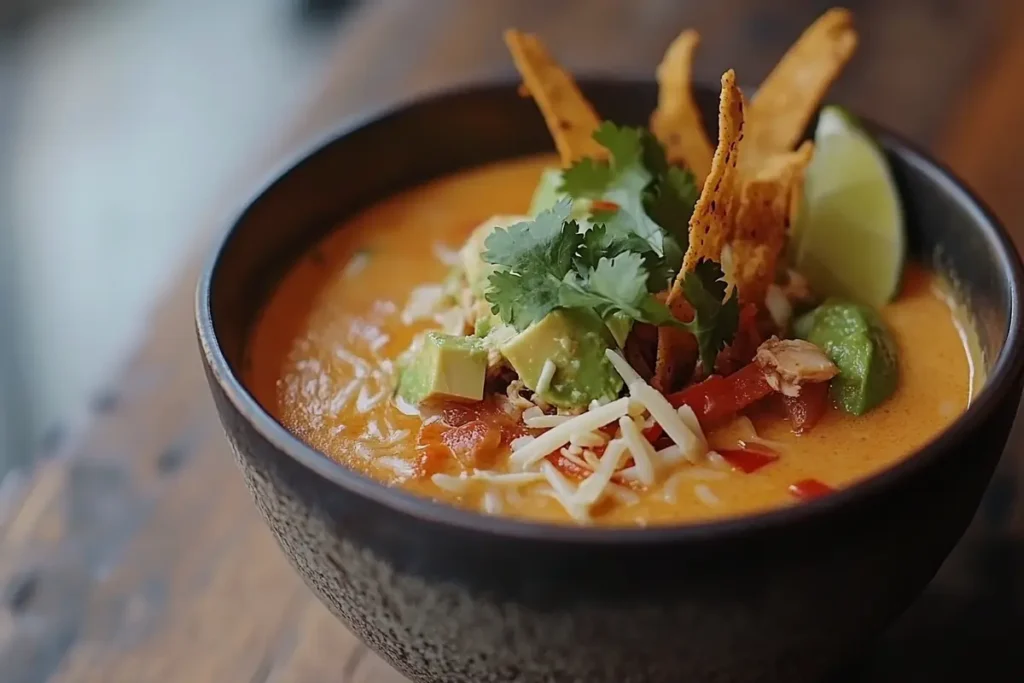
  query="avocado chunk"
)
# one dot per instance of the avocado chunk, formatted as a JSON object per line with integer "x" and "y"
{"x": 855, "y": 338}
{"x": 575, "y": 342}
{"x": 444, "y": 366}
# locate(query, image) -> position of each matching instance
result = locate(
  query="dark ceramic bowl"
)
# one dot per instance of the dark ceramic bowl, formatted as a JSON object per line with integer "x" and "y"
{"x": 450, "y": 596}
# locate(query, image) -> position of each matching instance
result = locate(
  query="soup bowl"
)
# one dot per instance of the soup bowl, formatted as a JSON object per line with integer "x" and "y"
{"x": 447, "y": 595}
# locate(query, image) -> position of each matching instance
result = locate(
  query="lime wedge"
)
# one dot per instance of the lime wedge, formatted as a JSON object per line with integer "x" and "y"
{"x": 849, "y": 239}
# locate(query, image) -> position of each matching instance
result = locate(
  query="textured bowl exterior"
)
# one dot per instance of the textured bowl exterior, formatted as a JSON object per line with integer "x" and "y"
{"x": 450, "y": 597}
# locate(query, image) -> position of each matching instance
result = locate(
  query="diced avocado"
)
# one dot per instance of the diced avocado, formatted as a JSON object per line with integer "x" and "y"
{"x": 444, "y": 366}
{"x": 476, "y": 269}
{"x": 856, "y": 339}
{"x": 575, "y": 342}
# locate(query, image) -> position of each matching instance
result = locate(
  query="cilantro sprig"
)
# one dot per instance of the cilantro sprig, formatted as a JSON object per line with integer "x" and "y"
{"x": 658, "y": 198}
{"x": 549, "y": 263}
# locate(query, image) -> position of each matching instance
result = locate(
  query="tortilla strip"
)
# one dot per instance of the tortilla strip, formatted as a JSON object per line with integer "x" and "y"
{"x": 677, "y": 122}
{"x": 710, "y": 230}
{"x": 568, "y": 115}
{"x": 783, "y": 106}
{"x": 766, "y": 209}
{"x": 712, "y": 220}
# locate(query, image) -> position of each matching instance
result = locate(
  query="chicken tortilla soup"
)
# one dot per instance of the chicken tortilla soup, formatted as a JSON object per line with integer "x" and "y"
{"x": 644, "y": 328}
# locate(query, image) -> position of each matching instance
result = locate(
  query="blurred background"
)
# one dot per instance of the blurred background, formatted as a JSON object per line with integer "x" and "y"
{"x": 120, "y": 122}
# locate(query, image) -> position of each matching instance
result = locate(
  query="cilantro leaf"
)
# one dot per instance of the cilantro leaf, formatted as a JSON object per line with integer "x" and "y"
{"x": 714, "y": 320}
{"x": 532, "y": 258}
{"x": 670, "y": 199}
{"x": 586, "y": 179}
{"x": 617, "y": 236}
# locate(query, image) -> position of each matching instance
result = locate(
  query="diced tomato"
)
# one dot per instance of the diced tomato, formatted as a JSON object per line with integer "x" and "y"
{"x": 718, "y": 398}
{"x": 749, "y": 458}
{"x": 472, "y": 442}
{"x": 603, "y": 205}
{"x": 807, "y": 489}
{"x": 432, "y": 453}
{"x": 805, "y": 410}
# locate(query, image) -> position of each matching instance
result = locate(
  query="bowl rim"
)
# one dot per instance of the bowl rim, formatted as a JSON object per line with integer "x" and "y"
{"x": 1008, "y": 366}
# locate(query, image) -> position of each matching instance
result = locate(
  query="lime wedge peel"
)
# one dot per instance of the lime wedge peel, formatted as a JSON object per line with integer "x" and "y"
{"x": 850, "y": 239}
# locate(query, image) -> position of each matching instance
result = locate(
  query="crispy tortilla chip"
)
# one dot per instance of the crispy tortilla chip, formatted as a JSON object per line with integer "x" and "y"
{"x": 766, "y": 209}
{"x": 677, "y": 122}
{"x": 710, "y": 230}
{"x": 782, "y": 107}
{"x": 569, "y": 117}
{"x": 712, "y": 220}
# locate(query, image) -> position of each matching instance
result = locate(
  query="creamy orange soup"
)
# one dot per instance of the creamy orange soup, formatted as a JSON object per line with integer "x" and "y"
{"x": 322, "y": 362}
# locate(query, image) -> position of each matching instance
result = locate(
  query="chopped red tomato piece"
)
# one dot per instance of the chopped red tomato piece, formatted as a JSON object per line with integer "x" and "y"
{"x": 806, "y": 489}
{"x": 805, "y": 410}
{"x": 718, "y": 398}
{"x": 749, "y": 458}
{"x": 472, "y": 442}
{"x": 432, "y": 453}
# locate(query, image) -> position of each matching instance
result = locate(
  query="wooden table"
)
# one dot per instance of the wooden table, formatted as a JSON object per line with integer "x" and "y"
{"x": 133, "y": 553}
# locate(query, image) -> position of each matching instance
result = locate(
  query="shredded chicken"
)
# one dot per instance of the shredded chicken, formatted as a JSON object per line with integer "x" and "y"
{"x": 788, "y": 363}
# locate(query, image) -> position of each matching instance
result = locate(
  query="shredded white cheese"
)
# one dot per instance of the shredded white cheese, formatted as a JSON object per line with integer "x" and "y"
{"x": 622, "y": 366}
{"x": 461, "y": 483}
{"x": 690, "y": 418}
{"x": 449, "y": 483}
{"x": 547, "y": 373}
{"x": 423, "y": 301}
{"x": 520, "y": 441}
{"x": 507, "y": 478}
{"x": 447, "y": 255}
{"x": 356, "y": 264}
{"x": 588, "y": 439}
{"x": 706, "y": 495}
{"x": 558, "y": 436}
{"x": 590, "y": 457}
{"x": 778, "y": 306}
{"x": 715, "y": 458}
{"x": 659, "y": 408}
{"x": 574, "y": 458}
{"x": 641, "y": 450}
{"x": 545, "y": 421}
{"x": 563, "y": 492}
{"x": 491, "y": 503}
{"x": 593, "y": 487}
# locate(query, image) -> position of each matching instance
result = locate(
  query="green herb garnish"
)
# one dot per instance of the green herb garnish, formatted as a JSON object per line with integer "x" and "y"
{"x": 549, "y": 263}
{"x": 657, "y": 197}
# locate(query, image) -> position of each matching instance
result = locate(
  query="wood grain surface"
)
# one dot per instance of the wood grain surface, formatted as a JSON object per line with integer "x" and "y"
{"x": 134, "y": 554}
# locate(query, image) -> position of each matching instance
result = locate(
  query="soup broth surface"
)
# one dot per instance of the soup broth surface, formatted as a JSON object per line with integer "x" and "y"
{"x": 322, "y": 362}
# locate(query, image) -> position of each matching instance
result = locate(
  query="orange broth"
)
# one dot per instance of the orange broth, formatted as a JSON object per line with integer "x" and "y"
{"x": 321, "y": 362}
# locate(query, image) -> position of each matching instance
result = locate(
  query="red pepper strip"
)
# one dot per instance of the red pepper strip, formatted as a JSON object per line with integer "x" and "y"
{"x": 806, "y": 489}
{"x": 748, "y": 459}
{"x": 805, "y": 410}
{"x": 718, "y": 398}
